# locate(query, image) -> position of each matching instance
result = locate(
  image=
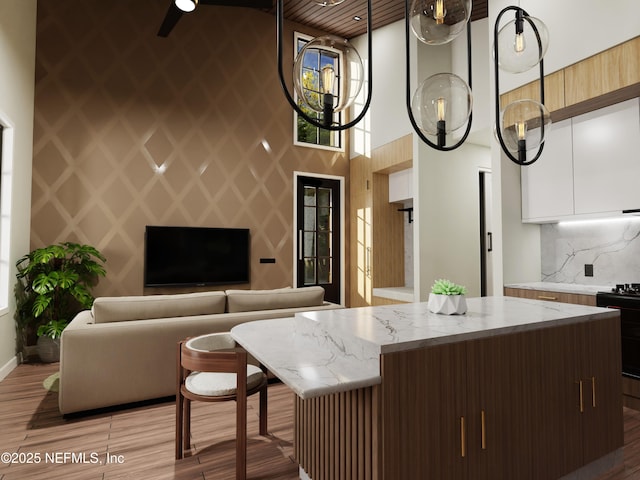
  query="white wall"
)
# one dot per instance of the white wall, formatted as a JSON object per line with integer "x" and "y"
{"x": 577, "y": 29}
{"x": 480, "y": 63}
{"x": 390, "y": 121}
{"x": 448, "y": 217}
{"x": 17, "y": 67}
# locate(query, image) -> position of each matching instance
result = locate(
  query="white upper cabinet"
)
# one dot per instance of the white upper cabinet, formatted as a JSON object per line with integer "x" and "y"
{"x": 401, "y": 185}
{"x": 606, "y": 146}
{"x": 547, "y": 184}
{"x": 590, "y": 167}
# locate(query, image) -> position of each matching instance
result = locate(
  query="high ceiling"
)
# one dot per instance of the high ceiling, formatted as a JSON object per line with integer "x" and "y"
{"x": 339, "y": 19}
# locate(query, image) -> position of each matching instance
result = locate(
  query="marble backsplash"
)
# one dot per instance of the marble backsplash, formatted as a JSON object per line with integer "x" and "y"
{"x": 611, "y": 246}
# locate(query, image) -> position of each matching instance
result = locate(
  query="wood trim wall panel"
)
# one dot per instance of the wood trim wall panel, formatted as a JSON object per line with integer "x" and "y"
{"x": 553, "y": 92}
{"x": 605, "y": 72}
{"x": 386, "y": 301}
{"x": 393, "y": 156}
{"x": 593, "y": 77}
{"x": 361, "y": 215}
{"x": 388, "y": 236}
{"x": 336, "y": 436}
{"x": 377, "y": 228}
{"x": 551, "y": 296}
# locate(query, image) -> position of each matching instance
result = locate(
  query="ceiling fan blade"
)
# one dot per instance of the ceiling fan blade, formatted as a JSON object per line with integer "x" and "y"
{"x": 265, "y": 4}
{"x": 171, "y": 18}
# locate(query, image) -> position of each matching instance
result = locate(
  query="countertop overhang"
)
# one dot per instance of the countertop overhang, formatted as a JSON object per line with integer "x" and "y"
{"x": 323, "y": 352}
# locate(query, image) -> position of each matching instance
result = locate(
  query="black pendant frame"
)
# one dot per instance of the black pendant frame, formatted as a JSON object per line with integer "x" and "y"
{"x": 289, "y": 97}
{"x": 520, "y": 14}
{"x": 414, "y": 124}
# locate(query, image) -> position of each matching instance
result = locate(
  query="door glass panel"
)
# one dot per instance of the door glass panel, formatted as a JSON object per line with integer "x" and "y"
{"x": 309, "y": 247}
{"x": 324, "y": 244}
{"x": 324, "y": 219}
{"x": 309, "y": 218}
{"x": 310, "y": 196}
{"x": 309, "y": 271}
{"x": 324, "y": 197}
{"x": 324, "y": 270}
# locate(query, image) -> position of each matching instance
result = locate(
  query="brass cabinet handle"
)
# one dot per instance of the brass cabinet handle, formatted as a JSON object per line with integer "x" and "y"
{"x": 593, "y": 391}
{"x": 581, "y": 396}
{"x": 463, "y": 439}
{"x": 483, "y": 439}
{"x": 546, "y": 297}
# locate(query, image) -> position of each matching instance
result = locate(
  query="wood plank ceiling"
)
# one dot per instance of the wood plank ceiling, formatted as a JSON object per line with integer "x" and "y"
{"x": 339, "y": 19}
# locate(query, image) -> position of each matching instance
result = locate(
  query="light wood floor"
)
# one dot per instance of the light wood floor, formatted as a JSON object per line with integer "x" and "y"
{"x": 142, "y": 438}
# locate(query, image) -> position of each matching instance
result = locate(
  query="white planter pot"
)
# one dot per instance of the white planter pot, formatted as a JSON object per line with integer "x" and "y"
{"x": 447, "y": 304}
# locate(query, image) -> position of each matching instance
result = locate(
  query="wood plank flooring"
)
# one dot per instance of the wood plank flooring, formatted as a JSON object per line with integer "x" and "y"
{"x": 140, "y": 440}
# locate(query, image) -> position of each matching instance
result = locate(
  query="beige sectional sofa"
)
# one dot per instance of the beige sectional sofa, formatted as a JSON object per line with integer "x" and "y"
{"x": 123, "y": 350}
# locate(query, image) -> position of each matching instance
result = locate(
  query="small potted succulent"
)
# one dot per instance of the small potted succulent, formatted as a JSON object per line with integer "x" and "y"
{"x": 447, "y": 297}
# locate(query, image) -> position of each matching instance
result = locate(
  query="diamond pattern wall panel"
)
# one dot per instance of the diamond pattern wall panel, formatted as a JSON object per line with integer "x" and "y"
{"x": 133, "y": 130}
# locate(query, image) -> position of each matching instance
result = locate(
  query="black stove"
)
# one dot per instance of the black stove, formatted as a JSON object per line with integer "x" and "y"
{"x": 626, "y": 298}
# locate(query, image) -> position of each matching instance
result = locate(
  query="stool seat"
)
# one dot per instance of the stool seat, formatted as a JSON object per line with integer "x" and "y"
{"x": 214, "y": 384}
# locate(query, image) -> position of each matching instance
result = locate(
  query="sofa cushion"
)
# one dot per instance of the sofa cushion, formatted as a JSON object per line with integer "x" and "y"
{"x": 250, "y": 300}
{"x": 118, "y": 309}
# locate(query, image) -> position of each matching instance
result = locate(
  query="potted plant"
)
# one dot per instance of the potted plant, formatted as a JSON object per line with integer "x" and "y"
{"x": 447, "y": 297}
{"x": 54, "y": 285}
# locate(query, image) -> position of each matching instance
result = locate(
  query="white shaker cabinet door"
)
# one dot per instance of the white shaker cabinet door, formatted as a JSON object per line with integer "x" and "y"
{"x": 606, "y": 154}
{"x": 547, "y": 184}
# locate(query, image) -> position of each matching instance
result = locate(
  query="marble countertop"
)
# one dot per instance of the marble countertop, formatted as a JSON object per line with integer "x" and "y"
{"x": 318, "y": 353}
{"x": 576, "y": 288}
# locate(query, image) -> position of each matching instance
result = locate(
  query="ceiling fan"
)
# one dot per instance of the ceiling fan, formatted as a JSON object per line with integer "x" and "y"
{"x": 178, "y": 7}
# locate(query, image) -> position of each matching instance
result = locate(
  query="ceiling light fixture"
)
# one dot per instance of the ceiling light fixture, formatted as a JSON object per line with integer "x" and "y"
{"x": 335, "y": 79}
{"x": 442, "y": 104}
{"x": 518, "y": 46}
{"x": 186, "y": 5}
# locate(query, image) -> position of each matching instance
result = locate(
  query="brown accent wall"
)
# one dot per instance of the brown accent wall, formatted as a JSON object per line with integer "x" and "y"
{"x": 115, "y": 104}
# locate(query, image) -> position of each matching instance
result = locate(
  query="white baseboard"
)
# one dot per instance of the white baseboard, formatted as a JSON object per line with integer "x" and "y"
{"x": 8, "y": 367}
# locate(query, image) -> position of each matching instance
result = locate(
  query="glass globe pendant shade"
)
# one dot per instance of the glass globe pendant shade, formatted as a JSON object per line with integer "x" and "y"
{"x": 518, "y": 47}
{"x": 524, "y": 125}
{"x": 436, "y": 22}
{"x": 442, "y": 104}
{"x": 328, "y": 70}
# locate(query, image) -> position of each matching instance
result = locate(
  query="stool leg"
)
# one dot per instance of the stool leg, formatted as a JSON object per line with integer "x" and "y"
{"x": 186, "y": 432}
{"x": 241, "y": 437}
{"x": 263, "y": 411}
{"x": 179, "y": 420}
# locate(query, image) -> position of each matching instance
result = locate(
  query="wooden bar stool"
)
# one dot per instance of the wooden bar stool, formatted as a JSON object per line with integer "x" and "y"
{"x": 209, "y": 369}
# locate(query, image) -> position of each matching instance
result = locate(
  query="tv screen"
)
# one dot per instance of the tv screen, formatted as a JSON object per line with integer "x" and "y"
{"x": 195, "y": 256}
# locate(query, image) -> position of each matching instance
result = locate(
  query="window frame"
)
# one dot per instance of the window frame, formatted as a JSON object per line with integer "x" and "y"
{"x": 298, "y": 36}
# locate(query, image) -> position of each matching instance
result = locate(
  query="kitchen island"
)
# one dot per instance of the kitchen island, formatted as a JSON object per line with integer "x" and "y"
{"x": 514, "y": 388}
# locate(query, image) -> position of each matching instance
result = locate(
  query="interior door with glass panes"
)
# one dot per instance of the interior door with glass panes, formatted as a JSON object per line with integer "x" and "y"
{"x": 318, "y": 225}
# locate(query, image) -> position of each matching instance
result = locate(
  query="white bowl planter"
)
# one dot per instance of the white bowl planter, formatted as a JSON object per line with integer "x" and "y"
{"x": 447, "y": 304}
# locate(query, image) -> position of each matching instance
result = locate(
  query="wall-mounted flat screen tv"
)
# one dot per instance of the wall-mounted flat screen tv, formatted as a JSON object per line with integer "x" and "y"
{"x": 195, "y": 256}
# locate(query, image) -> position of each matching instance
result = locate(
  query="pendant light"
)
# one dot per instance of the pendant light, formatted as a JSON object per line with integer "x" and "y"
{"x": 332, "y": 85}
{"x": 520, "y": 45}
{"x": 442, "y": 104}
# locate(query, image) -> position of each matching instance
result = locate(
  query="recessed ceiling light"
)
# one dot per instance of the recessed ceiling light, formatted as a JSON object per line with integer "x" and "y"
{"x": 357, "y": 18}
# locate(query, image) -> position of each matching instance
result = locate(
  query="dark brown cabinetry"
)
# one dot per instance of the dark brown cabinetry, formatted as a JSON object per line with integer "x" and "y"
{"x": 533, "y": 405}
{"x": 550, "y": 296}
